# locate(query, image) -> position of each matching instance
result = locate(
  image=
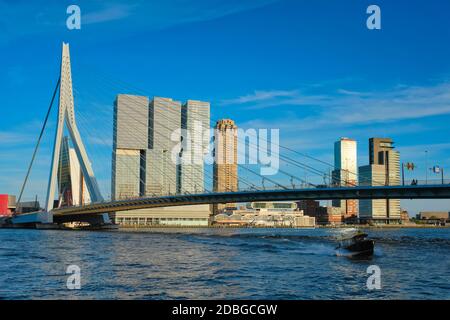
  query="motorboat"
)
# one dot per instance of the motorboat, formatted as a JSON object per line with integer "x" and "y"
{"x": 357, "y": 245}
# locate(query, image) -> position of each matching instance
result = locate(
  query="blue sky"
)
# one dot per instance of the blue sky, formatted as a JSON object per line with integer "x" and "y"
{"x": 310, "y": 68}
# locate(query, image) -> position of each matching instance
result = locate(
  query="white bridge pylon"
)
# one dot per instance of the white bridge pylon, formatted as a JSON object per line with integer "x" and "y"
{"x": 66, "y": 115}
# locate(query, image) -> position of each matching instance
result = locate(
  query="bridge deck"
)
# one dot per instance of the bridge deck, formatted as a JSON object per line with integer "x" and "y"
{"x": 361, "y": 192}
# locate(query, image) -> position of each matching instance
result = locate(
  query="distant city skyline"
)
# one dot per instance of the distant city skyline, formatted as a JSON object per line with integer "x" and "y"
{"x": 288, "y": 68}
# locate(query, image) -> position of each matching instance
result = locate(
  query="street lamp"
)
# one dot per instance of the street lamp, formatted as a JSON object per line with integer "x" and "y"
{"x": 426, "y": 166}
{"x": 437, "y": 170}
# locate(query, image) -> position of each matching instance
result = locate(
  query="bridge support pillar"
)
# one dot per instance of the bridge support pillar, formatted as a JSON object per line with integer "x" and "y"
{"x": 66, "y": 116}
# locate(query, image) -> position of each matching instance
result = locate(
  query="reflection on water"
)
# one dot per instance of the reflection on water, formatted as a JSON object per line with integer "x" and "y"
{"x": 221, "y": 264}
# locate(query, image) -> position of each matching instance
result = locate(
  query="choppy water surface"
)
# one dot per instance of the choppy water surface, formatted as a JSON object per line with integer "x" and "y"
{"x": 221, "y": 264}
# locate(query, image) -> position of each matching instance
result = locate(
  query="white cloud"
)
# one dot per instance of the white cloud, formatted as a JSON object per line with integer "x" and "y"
{"x": 110, "y": 13}
{"x": 262, "y": 96}
{"x": 347, "y": 107}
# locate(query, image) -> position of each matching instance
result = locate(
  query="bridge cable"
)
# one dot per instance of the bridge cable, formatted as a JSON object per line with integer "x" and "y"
{"x": 284, "y": 158}
{"x": 139, "y": 121}
{"x": 39, "y": 141}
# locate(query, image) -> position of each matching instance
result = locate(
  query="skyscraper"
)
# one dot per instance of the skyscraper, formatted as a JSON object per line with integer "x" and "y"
{"x": 225, "y": 159}
{"x": 345, "y": 174}
{"x": 164, "y": 133}
{"x": 376, "y": 145}
{"x": 383, "y": 170}
{"x": 130, "y": 143}
{"x": 195, "y": 117}
{"x": 145, "y": 136}
{"x": 146, "y": 150}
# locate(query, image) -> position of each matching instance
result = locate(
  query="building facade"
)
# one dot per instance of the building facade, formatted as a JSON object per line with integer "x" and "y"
{"x": 267, "y": 214}
{"x": 147, "y": 144}
{"x": 182, "y": 216}
{"x": 7, "y": 205}
{"x": 164, "y": 135}
{"x": 324, "y": 215}
{"x": 195, "y": 118}
{"x": 309, "y": 207}
{"x": 425, "y": 215}
{"x": 384, "y": 170}
{"x": 225, "y": 169}
{"x": 346, "y": 174}
{"x": 377, "y": 145}
{"x": 130, "y": 143}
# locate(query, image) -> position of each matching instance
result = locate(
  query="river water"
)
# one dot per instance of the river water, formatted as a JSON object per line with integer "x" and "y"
{"x": 221, "y": 264}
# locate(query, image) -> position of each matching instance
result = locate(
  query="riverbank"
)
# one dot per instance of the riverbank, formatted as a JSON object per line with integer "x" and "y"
{"x": 345, "y": 226}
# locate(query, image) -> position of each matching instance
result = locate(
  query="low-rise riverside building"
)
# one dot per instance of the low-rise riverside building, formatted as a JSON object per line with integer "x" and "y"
{"x": 7, "y": 205}
{"x": 329, "y": 215}
{"x": 182, "y": 216}
{"x": 324, "y": 215}
{"x": 266, "y": 214}
{"x": 434, "y": 217}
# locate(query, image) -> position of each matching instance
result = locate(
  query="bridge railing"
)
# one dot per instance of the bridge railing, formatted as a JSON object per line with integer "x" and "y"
{"x": 305, "y": 186}
{"x": 425, "y": 182}
{"x": 290, "y": 187}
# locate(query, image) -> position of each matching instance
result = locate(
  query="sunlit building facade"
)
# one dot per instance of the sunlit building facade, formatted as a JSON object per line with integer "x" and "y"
{"x": 195, "y": 119}
{"x": 146, "y": 157}
{"x": 130, "y": 143}
{"x": 346, "y": 174}
{"x": 225, "y": 169}
{"x": 384, "y": 170}
{"x": 164, "y": 135}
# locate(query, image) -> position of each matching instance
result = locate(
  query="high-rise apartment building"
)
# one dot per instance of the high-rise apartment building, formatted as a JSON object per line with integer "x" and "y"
{"x": 345, "y": 174}
{"x": 130, "y": 143}
{"x": 195, "y": 117}
{"x": 164, "y": 136}
{"x": 145, "y": 136}
{"x": 384, "y": 170}
{"x": 376, "y": 145}
{"x": 225, "y": 176}
{"x": 146, "y": 157}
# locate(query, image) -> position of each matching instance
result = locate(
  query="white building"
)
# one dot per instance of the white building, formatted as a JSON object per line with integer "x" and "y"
{"x": 183, "y": 216}
{"x": 346, "y": 173}
{"x": 267, "y": 214}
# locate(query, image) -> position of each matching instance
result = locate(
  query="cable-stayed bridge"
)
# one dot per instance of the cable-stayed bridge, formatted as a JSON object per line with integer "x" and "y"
{"x": 253, "y": 186}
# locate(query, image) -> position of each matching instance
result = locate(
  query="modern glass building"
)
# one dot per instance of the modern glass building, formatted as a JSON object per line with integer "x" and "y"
{"x": 346, "y": 174}
{"x": 384, "y": 172}
{"x": 130, "y": 143}
{"x": 195, "y": 119}
{"x": 164, "y": 135}
{"x": 146, "y": 157}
